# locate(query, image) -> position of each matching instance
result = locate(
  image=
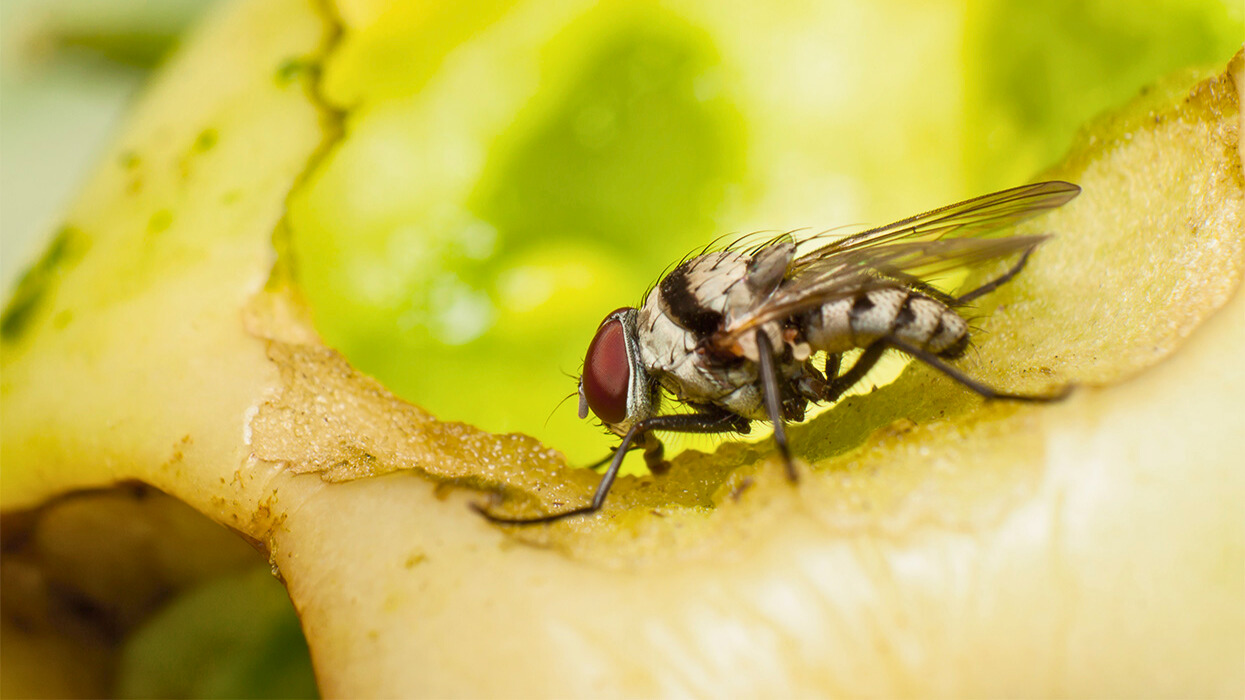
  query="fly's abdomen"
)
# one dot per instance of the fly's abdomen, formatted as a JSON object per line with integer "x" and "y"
{"x": 894, "y": 312}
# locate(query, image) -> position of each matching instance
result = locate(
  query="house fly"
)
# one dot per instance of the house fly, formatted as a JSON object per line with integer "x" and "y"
{"x": 731, "y": 333}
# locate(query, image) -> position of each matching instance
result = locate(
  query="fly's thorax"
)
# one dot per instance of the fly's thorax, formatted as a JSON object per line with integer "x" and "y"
{"x": 699, "y": 294}
{"x": 686, "y": 307}
{"x": 896, "y": 312}
{"x": 663, "y": 343}
{"x": 691, "y": 305}
{"x": 703, "y": 294}
{"x": 673, "y": 356}
{"x": 676, "y": 357}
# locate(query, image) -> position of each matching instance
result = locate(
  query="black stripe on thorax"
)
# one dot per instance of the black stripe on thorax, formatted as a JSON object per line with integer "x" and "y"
{"x": 861, "y": 306}
{"x": 906, "y": 315}
{"x": 683, "y": 306}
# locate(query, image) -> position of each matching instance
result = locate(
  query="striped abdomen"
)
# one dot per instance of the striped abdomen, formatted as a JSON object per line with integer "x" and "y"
{"x": 895, "y": 312}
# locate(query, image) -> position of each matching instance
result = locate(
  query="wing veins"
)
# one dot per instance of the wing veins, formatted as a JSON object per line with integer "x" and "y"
{"x": 919, "y": 247}
{"x": 974, "y": 216}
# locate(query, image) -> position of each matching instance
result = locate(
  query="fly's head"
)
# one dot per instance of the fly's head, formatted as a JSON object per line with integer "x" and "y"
{"x": 615, "y": 385}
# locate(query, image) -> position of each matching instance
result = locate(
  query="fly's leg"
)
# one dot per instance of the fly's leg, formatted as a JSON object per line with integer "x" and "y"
{"x": 834, "y": 362}
{"x": 654, "y": 454}
{"x": 720, "y": 422}
{"x": 833, "y": 386}
{"x": 986, "y": 392}
{"x": 600, "y": 462}
{"x": 773, "y": 400}
{"x": 837, "y": 385}
{"x": 606, "y": 459}
{"x": 811, "y": 384}
{"x": 920, "y": 286}
{"x": 655, "y": 451}
{"x": 997, "y": 282}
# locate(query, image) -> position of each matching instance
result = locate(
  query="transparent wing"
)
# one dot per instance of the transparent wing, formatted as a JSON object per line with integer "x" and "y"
{"x": 973, "y": 217}
{"x": 849, "y": 273}
{"x": 906, "y": 252}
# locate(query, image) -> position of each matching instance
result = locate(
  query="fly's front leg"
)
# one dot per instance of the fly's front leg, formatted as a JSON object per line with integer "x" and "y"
{"x": 605, "y": 460}
{"x": 770, "y": 387}
{"x": 718, "y": 422}
{"x": 654, "y": 454}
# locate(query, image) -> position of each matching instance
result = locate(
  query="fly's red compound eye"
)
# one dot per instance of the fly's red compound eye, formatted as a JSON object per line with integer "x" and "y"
{"x": 607, "y": 372}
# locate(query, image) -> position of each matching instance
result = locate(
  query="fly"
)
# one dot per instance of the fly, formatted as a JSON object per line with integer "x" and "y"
{"x": 731, "y": 333}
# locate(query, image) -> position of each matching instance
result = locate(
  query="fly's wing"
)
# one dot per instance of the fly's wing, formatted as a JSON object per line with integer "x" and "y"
{"x": 972, "y": 217}
{"x": 914, "y": 249}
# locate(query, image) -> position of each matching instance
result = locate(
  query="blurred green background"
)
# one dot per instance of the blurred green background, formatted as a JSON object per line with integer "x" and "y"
{"x": 510, "y": 172}
{"x": 513, "y": 171}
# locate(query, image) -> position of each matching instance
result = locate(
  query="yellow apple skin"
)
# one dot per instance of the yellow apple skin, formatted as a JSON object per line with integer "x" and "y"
{"x": 934, "y": 547}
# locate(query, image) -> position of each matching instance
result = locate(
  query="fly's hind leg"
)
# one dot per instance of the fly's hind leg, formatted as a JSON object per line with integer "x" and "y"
{"x": 987, "y": 392}
{"x": 833, "y": 386}
{"x": 996, "y": 282}
{"x": 837, "y": 385}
